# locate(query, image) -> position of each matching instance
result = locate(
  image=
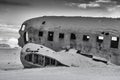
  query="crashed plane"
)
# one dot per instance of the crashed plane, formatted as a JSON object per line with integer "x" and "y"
{"x": 98, "y": 37}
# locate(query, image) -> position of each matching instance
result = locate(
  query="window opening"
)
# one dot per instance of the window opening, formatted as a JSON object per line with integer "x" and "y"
{"x": 50, "y": 35}
{"x": 61, "y": 35}
{"x": 40, "y": 33}
{"x": 100, "y": 39}
{"x": 73, "y": 36}
{"x": 23, "y": 27}
{"x": 86, "y": 38}
{"x": 114, "y": 42}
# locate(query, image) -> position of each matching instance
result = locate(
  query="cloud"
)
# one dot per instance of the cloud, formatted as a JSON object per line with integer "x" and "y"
{"x": 91, "y": 4}
{"x": 14, "y": 2}
{"x": 84, "y": 5}
{"x": 13, "y": 42}
{"x": 102, "y": 8}
{"x": 108, "y": 5}
{"x": 9, "y": 28}
{"x": 78, "y": 1}
{"x": 103, "y": 1}
{"x": 117, "y": 1}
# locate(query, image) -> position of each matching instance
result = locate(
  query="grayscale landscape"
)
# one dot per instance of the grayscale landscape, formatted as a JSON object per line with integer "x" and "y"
{"x": 13, "y": 13}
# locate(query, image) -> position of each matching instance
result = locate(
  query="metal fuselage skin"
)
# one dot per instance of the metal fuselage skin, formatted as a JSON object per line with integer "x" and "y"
{"x": 60, "y": 33}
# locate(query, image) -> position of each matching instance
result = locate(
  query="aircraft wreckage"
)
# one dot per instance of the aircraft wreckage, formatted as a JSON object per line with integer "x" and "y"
{"x": 95, "y": 37}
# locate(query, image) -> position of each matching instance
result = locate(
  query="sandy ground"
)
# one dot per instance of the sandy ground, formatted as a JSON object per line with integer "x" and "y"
{"x": 62, "y": 73}
{"x": 12, "y": 69}
{"x": 10, "y": 58}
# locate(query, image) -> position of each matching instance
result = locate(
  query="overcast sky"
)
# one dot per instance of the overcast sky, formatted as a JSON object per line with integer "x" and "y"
{"x": 17, "y": 11}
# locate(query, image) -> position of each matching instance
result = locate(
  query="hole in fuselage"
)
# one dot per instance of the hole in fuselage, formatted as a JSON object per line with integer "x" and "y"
{"x": 42, "y": 60}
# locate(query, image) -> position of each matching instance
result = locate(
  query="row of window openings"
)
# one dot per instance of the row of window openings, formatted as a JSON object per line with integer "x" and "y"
{"x": 114, "y": 41}
{"x": 99, "y": 39}
{"x": 61, "y": 35}
{"x": 73, "y": 37}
